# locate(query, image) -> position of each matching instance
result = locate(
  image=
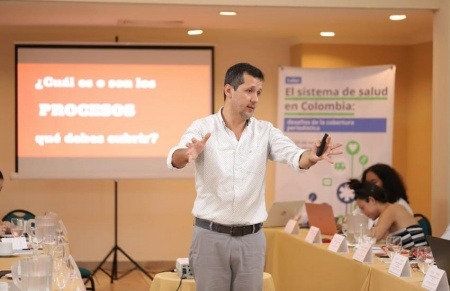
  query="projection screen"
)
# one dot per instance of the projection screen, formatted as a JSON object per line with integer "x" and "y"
{"x": 107, "y": 111}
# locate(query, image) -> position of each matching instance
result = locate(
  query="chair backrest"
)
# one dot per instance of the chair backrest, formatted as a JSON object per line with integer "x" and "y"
{"x": 424, "y": 222}
{"x": 20, "y": 213}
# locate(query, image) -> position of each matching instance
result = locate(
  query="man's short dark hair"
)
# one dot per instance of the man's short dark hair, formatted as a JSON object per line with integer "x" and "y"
{"x": 235, "y": 74}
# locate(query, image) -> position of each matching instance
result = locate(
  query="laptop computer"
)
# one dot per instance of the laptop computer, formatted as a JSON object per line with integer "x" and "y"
{"x": 281, "y": 211}
{"x": 441, "y": 253}
{"x": 322, "y": 217}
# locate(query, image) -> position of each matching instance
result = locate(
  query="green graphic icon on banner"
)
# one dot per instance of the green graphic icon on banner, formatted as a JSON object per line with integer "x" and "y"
{"x": 352, "y": 148}
{"x": 339, "y": 166}
{"x": 363, "y": 160}
{"x": 327, "y": 181}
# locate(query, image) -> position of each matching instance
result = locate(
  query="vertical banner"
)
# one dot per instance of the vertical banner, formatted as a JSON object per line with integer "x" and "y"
{"x": 353, "y": 105}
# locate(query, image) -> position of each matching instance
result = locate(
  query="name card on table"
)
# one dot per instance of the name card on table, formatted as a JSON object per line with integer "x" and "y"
{"x": 435, "y": 280}
{"x": 338, "y": 244}
{"x": 400, "y": 266}
{"x": 292, "y": 227}
{"x": 314, "y": 235}
{"x": 363, "y": 253}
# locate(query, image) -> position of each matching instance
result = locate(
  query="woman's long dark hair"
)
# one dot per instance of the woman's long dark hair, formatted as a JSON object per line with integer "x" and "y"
{"x": 392, "y": 181}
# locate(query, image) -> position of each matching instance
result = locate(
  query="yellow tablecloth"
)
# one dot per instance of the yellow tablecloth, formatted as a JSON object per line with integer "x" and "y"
{"x": 298, "y": 265}
{"x": 169, "y": 281}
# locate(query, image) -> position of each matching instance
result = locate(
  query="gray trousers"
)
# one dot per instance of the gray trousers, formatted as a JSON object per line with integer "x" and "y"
{"x": 221, "y": 262}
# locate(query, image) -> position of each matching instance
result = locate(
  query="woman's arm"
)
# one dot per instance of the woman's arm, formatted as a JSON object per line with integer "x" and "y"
{"x": 385, "y": 221}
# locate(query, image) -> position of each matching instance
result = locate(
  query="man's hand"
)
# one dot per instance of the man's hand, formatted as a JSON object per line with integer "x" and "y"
{"x": 328, "y": 152}
{"x": 309, "y": 157}
{"x": 196, "y": 147}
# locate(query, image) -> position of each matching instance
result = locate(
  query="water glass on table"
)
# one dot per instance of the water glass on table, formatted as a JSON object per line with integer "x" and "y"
{"x": 360, "y": 229}
{"x": 393, "y": 245}
{"x": 17, "y": 226}
{"x": 424, "y": 258}
{"x": 369, "y": 236}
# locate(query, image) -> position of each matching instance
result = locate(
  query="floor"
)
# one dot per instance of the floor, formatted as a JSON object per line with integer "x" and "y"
{"x": 129, "y": 277}
{"x": 136, "y": 281}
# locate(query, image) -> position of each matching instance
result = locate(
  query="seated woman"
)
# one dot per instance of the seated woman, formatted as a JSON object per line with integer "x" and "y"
{"x": 389, "y": 179}
{"x": 392, "y": 217}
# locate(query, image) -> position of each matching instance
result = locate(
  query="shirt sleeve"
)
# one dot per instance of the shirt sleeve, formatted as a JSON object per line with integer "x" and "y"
{"x": 194, "y": 131}
{"x": 284, "y": 150}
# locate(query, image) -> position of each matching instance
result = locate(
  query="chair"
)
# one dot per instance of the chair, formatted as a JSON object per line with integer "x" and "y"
{"x": 424, "y": 222}
{"x": 19, "y": 213}
{"x": 86, "y": 275}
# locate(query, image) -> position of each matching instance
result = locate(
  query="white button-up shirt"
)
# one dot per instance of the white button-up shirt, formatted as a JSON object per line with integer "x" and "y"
{"x": 230, "y": 174}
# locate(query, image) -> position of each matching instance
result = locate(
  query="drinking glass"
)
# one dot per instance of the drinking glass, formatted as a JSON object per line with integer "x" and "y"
{"x": 17, "y": 226}
{"x": 369, "y": 236}
{"x": 359, "y": 230}
{"x": 425, "y": 258}
{"x": 35, "y": 239}
{"x": 393, "y": 245}
{"x": 48, "y": 244}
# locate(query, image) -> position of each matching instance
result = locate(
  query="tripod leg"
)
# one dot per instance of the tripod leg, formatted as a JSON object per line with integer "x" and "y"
{"x": 103, "y": 261}
{"x": 135, "y": 263}
{"x": 114, "y": 266}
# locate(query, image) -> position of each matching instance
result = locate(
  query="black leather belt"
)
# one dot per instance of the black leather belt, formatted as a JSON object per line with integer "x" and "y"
{"x": 238, "y": 230}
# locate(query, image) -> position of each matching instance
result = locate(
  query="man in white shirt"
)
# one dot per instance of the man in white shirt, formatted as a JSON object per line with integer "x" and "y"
{"x": 230, "y": 150}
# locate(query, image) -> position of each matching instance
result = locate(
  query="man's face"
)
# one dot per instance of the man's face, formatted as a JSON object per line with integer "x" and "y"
{"x": 245, "y": 98}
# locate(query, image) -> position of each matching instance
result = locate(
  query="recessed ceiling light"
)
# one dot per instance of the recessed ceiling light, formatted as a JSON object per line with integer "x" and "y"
{"x": 397, "y": 17}
{"x": 227, "y": 13}
{"x": 195, "y": 32}
{"x": 327, "y": 34}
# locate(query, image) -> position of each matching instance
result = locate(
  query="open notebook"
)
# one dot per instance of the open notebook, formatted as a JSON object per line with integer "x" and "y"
{"x": 322, "y": 217}
{"x": 281, "y": 211}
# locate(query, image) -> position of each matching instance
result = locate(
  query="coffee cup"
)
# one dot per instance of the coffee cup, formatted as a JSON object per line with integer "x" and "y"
{"x": 6, "y": 248}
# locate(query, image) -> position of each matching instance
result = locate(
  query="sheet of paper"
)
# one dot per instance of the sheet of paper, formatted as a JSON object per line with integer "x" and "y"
{"x": 338, "y": 244}
{"x": 363, "y": 253}
{"x": 19, "y": 243}
{"x": 400, "y": 266}
{"x": 314, "y": 235}
{"x": 435, "y": 280}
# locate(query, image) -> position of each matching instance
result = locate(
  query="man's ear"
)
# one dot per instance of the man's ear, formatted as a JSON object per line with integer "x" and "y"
{"x": 228, "y": 90}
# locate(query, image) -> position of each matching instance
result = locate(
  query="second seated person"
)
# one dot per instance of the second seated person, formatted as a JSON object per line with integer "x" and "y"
{"x": 389, "y": 179}
{"x": 230, "y": 151}
{"x": 392, "y": 218}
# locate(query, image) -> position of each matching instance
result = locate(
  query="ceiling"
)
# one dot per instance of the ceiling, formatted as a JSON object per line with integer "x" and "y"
{"x": 297, "y": 24}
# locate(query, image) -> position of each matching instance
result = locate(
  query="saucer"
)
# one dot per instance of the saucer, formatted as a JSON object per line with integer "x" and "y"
{"x": 7, "y": 255}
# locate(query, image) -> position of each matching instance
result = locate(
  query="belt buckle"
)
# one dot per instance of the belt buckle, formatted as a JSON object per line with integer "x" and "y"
{"x": 232, "y": 228}
{"x": 237, "y": 231}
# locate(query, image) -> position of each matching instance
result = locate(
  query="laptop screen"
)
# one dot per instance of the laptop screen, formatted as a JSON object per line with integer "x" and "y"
{"x": 441, "y": 253}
